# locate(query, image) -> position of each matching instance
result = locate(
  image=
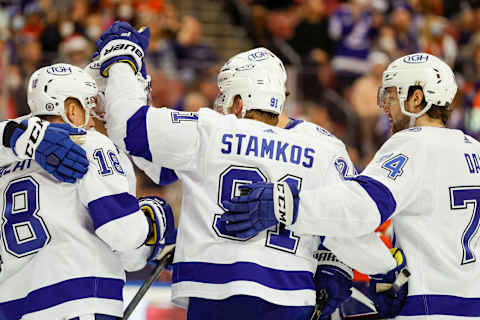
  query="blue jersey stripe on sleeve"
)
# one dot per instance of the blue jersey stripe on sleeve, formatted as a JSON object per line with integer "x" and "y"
{"x": 242, "y": 271}
{"x": 167, "y": 176}
{"x": 136, "y": 140}
{"x": 61, "y": 292}
{"x": 435, "y": 304}
{"x": 106, "y": 209}
{"x": 379, "y": 193}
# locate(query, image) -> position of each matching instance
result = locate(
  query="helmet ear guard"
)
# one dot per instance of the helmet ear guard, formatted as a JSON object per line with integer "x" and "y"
{"x": 50, "y": 86}
{"x": 419, "y": 69}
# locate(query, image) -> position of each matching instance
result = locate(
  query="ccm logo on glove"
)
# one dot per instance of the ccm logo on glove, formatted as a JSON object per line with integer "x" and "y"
{"x": 32, "y": 140}
{"x": 125, "y": 46}
{"x": 281, "y": 203}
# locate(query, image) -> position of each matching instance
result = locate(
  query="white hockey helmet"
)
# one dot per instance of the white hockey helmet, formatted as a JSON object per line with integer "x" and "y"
{"x": 50, "y": 86}
{"x": 258, "y": 77}
{"x": 419, "y": 69}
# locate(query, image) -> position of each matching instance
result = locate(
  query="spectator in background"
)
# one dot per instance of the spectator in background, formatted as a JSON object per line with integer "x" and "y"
{"x": 404, "y": 37}
{"x": 76, "y": 51}
{"x": 194, "y": 101}
{"x": 435, "y": 40}
{"x": 353, "y": 26}
{"x": 311, "y": 40}
{"x": 193, "y": 57}
{"x": 364, "y": 99}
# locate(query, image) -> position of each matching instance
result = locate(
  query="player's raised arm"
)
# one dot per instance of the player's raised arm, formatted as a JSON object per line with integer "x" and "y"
{"x": 162, "y": 136}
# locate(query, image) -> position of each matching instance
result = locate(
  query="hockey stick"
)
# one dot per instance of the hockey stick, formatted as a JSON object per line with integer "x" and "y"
{"x": 164, "y": 260}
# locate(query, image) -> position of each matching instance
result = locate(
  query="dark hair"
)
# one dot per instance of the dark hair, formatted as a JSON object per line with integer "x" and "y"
{"x": 435, "y": 111}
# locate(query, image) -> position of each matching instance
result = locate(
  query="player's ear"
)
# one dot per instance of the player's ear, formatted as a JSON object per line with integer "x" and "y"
{"x": 237, "y": 106}
{"x": 70, "y": 109}
{"x": 417, "y": 99}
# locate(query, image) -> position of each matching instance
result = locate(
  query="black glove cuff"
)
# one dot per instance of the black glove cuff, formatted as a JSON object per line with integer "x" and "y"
{"x": 9, "y": 130}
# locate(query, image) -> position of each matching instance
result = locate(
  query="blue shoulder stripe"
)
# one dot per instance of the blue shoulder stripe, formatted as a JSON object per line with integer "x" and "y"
{"x": 61, "y": 292}
{"x": 136, "y": 140}
{"x": 106, "y": 209}
{"x": 379, "y": 193}
{"x": 242, "y": 271}
{"x": 435, "y": 304}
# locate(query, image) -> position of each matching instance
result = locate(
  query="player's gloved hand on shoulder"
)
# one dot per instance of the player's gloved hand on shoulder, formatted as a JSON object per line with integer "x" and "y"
{"x": 263, "y": 206}
{"x": 162, "y": 224}
{"x": 122, "y": 43}
{"x": 389, "y": 291}
{"x": 333, "y": 283}
{"x": 50, "y": 145}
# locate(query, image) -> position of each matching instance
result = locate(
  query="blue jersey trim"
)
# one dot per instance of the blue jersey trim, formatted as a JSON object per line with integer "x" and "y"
{"x": 136, "y": 140}
{"x": 293, "y": 123}
{"x": 379, "y": 193}
{"x": 167, "y": 176}
{"x": 106, "y": 209}
{"x": 61, "y": 292}
{"x": 242, "y": 271}
{"x": 441, "y": 305}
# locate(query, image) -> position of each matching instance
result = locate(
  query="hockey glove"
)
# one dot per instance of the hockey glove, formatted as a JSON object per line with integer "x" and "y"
{"x": 263, "y": 206}
{"x": 122, "y": 43}
{"x": 162, "y": 223}
{"x": 50, "y": 145}
{"x": 389, "y": 291}
{"x": 333, "y": 283}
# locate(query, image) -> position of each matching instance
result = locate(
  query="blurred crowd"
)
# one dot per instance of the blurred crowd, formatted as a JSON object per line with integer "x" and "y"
{"x": 335, "y": 52}
{"x": 344, "y": 46}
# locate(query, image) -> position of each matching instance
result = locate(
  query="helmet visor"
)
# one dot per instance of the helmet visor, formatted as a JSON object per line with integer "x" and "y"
{"x": 386, "y": 96}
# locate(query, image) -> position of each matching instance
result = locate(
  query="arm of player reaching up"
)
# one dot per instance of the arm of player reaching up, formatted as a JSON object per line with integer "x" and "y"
{"x": 161, "y": 136}
{"x": 351, "y": 208}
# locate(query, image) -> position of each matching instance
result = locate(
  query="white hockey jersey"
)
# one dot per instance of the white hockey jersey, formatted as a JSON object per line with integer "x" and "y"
{"x": 428, "y": 179}
{"x": 213, "y": 154}
{"x": 57, "y": 238}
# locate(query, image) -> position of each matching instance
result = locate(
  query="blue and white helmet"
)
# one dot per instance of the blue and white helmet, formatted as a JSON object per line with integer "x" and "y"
{"x": 420, "y": 69}
{"x": 258, "y": 77}
{"x": 50, "y": 86}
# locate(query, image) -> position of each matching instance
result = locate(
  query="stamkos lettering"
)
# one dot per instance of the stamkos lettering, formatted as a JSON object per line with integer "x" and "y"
{"x": 282, "y": 203}
{"x": 267, "y": 148}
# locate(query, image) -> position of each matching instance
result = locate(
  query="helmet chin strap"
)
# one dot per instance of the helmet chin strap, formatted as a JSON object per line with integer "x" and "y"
{"x": 414, "y": 116}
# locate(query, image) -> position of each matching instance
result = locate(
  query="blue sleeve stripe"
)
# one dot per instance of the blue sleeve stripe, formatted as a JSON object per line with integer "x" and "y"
{"x": 242, "y": 271}
{"x": 136, "y": 140}
{"x": 106, "y": 209}
{"x": 167, "y": 176}
{"x": 435, "y": 304}
{"x": 379, "y": 193}
{"x": 61, "y": 292}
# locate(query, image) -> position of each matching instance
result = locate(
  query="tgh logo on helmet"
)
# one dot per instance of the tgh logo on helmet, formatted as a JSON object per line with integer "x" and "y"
{"x": 59, "y": 70}
{"x": 416, "y": 58}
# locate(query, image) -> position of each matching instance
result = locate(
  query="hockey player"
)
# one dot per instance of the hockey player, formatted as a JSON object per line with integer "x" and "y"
{"x": 57, "y": 238}
{"x": 214, "y": 273}
{"x": 426, "y": 178}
